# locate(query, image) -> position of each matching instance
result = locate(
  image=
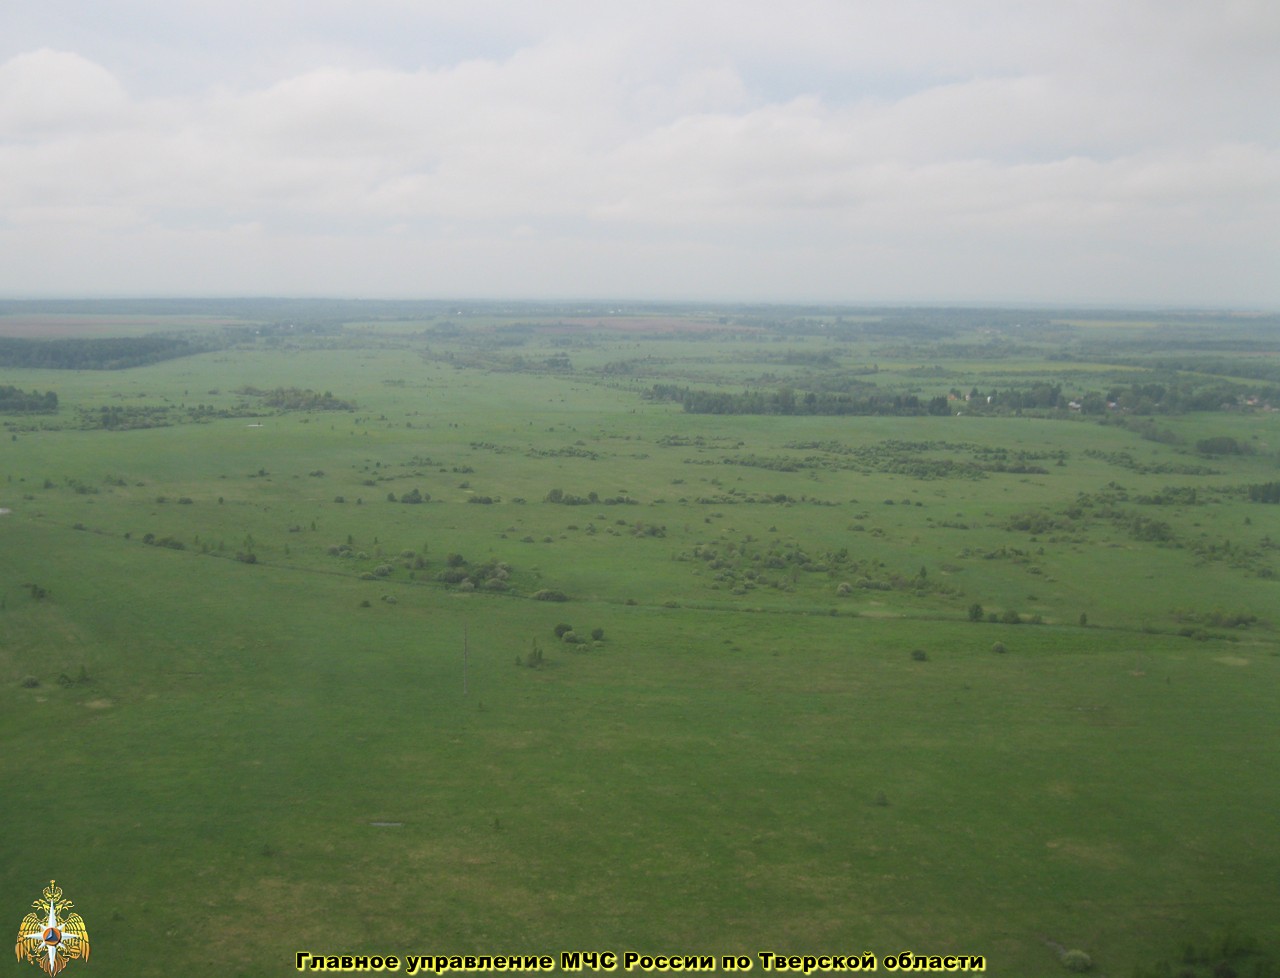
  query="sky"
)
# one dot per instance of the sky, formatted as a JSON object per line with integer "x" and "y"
{"x": 1105, "y": 152}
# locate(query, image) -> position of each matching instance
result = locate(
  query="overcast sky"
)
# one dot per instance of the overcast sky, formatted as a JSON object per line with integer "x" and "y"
{"x": 1081, "y": 151}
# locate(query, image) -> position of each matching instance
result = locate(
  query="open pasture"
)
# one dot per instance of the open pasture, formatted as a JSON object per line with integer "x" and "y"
{"x": 985, "y": 680}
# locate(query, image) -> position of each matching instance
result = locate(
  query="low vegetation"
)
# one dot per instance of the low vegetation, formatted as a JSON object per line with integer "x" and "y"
{"x": 948, "y": 629}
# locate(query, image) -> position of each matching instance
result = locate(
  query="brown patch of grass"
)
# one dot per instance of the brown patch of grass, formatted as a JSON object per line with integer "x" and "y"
{"x": 1104, "y": 855}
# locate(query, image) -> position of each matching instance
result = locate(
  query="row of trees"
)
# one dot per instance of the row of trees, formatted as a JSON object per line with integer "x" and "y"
{"x": 15, "y": 401}
{"x": 1265, "y": 492}
{"x": 787, "y": 401}
{"x": 298, "y": 399}
{"x": 108, "y": 353}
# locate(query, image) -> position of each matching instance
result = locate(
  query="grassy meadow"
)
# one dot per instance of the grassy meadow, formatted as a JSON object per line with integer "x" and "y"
{"x": 620, "y": 676}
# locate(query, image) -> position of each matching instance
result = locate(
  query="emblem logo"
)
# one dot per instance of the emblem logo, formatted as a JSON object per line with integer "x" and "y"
{"x": 52, "y": 937}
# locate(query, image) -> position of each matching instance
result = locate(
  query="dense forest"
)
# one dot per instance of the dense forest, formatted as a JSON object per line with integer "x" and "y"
{"x": 113, "y": 353}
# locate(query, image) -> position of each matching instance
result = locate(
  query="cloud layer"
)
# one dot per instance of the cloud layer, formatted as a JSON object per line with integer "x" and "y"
{"x": 909, "y": 151}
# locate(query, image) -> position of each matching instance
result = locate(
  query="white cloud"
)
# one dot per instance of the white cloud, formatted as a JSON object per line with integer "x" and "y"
{"x": 45, "y": 94}
{"x": 822, "y": 148}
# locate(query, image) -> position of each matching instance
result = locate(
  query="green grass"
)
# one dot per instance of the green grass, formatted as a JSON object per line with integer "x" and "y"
{"x": 743, "y": 763}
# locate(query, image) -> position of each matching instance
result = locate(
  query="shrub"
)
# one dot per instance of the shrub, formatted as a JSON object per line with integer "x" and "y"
{"x": 975, "y": 612}
{"x": 1011, "y": 617}
{"x": 919, "y": 655}
{"x": 30, "y": 682}
{"x": 546, "y": 594}
{"x": 570, "y": 638}
{"x": 998, "y": 648}
{"x": 561, "y": 628}
{"x": 597, "y": 634}
{"x": 844, "y": 589}
{"x": 1076, "y": 960}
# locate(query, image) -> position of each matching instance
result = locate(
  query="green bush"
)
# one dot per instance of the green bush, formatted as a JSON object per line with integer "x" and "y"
{"x": 1076, "y": 960}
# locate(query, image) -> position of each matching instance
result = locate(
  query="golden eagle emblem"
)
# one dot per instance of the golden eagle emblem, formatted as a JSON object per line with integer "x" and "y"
{"x": 51, "y": 937}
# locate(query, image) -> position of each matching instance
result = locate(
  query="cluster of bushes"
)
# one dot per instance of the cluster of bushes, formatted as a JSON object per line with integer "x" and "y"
{"x": 566, "y": 633}
{"x": 1007, "y": 617}
{"x": 1125, "y": 460}
{"x": 151, "y": 540}
{"x": 411, "y": 498}
{"x": 563, "y": 498}
{"x": 535, "y": 658}
{"x": 1223, "y": 445}
{"x": 1227, "y": 955}
{"x": 1218, "y": 618}
{"x": 491, "y": 575}
{"x": 1152, "y": 531}
{"x": 1038, "y": 522}
{"x": 298, "y": 399}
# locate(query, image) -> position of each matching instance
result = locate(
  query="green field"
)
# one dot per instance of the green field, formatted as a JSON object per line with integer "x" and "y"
{"x": 995, "y": 680}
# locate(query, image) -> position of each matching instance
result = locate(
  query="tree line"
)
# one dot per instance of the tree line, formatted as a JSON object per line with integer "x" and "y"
{"x": 106, "y": 353}
{"x": 15, "y": 401}
{"x": 787, "y": 401}
{"x": 1139, "y": 399}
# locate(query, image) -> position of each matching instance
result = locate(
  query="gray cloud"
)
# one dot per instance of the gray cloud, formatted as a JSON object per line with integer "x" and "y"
{"x": 907, "y": 150}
